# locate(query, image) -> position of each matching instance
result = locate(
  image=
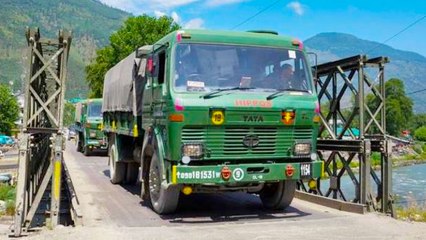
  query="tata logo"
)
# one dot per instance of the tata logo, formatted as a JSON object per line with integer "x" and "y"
{"x": 251, "y": 118}
{"x": 251, "y": 141}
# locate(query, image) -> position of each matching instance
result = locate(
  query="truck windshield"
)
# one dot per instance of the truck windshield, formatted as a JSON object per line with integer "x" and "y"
{"x": 207, "y": 68}
{"x": 95, "y": 110}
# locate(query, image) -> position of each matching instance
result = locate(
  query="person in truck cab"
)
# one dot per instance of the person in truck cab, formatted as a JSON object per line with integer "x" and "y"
{"x": 286, "y": 77}
{"x": 280, "y": 79}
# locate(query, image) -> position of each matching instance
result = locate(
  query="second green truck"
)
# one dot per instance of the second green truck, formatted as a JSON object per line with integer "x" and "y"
{"x": 205, "y": 111}
{"x": 88, "y": 126}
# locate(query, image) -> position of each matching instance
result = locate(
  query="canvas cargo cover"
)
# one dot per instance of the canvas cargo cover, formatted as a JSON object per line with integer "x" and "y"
{"x": 118, "y": 95}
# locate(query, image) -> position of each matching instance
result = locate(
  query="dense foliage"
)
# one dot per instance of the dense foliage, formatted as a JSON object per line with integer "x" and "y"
{"x": 420, "y": 134}
{"x": 9, "y": 109}
{"x": 399, "y": 107}
{"x": 136, "y": 32}
{"x": 69, "y": 114}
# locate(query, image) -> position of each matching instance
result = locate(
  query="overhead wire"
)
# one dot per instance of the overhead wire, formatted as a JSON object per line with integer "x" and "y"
{"x": 256, "y": 14}
{"x": 414, "y": 92}
{"x": 396, "y": 34}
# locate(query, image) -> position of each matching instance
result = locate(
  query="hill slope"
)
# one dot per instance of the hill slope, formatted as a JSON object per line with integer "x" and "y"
{"x": 405, "y": 65}
{"x": 90, "y": 21}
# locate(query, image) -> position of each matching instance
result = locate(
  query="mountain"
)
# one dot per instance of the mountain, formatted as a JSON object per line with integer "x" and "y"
{"x": 405, "y": 65}
{"x": 90, "y": 21}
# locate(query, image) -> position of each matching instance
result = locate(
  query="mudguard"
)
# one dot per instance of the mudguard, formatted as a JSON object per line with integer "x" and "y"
{"x": 152, "y": 136}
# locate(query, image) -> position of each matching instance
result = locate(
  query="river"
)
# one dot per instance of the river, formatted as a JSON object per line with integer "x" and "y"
{"x": 409, "y": 185}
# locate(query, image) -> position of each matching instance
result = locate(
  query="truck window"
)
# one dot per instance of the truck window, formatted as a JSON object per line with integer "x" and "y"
{"x": 161, "y": 66}
{"x": 95, "y": 110}
{"x": 207, "y": 67}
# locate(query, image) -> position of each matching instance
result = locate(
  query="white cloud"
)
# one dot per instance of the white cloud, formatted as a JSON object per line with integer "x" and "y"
{"x": 296, "y": 7}
{"x": 175, "y": 17}
{"x": 196, "y": 23}
{"x": 159, "y": 13}
{"x": 215, "y": 3}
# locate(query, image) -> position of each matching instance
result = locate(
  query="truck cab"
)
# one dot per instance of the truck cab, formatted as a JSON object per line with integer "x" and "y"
{"x": 88, "y": 126}
{"x": 217, "y": 114}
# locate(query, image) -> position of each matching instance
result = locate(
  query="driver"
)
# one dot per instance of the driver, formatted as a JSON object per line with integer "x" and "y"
{"x": 286, "y": 76}
{"x": 186, "y": 70}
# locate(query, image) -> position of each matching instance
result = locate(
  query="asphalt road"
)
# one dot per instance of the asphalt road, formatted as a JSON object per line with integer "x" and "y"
{"x": 124, "y": 207}
{"x": 115, "y": 211}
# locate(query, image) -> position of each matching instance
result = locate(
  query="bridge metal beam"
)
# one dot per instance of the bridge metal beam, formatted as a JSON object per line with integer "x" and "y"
{"x": 41, "y": 143}
{"x": 343, "y": 87}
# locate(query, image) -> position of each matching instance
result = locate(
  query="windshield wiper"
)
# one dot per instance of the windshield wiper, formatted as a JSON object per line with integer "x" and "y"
{"x": 275, "y": 94}
{"x": 213, "y": 94}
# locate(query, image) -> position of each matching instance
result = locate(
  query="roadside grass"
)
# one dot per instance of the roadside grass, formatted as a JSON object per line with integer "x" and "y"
{"x": 7, "y": 194}
{"x": 412, "y": 212}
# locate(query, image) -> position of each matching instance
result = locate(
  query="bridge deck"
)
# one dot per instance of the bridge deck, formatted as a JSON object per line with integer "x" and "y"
{"x": 114, "y": 211}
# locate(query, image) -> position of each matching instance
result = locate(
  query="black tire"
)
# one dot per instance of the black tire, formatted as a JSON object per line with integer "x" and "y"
{"x": 117, "y": 170}
{"x": 132, "y": 172}
{"x": 163, "y": 201}
{"x": 278, "y": 196}
{"x": 86, "y": 151}
{"x": 78, "y": 141}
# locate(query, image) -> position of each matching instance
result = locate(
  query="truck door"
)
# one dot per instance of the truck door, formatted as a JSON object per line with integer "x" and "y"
{"x": 159, "y": 89}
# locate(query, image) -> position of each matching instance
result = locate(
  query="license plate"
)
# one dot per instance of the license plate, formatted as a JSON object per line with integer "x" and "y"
{"x": 305, "y": 170}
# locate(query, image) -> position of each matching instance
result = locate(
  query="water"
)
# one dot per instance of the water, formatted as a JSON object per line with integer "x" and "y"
{"x": 409, "y": 185}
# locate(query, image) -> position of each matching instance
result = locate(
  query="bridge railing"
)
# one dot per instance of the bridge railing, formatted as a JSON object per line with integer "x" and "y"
{"x": 353, "y": 126}
{"x": 39, "y": 187}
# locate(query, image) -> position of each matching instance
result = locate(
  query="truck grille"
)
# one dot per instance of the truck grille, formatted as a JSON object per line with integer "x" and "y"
{"x": 224, "y": 142}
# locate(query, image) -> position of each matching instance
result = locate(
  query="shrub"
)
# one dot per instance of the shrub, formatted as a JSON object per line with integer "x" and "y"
{"x": 7, "y": 192}
{"x": 418, "y": 148}
{"x": 420, "y": 133}
{"x": 10, "y": 207}
{"x": 375, "y": 159}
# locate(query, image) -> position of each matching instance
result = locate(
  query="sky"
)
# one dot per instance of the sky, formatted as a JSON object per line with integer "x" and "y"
{"x": 370, "y": 20}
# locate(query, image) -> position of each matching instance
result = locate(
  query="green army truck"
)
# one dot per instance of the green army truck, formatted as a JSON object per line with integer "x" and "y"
{"x": 88, "y": 125}
{"x": 207, "y": 111}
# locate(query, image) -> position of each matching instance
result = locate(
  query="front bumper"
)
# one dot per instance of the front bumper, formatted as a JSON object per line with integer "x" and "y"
{"x": 97, "y": 144}
{"x": 245, "y": 173}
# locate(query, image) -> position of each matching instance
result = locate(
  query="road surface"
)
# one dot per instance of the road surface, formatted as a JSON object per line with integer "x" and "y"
{"x": 116, "y": 211}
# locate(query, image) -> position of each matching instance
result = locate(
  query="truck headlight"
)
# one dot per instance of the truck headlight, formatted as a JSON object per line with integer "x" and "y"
{"x": 92, "y": 134}
{"x": 302, "y": 148}
{"x": 192, "y": 150}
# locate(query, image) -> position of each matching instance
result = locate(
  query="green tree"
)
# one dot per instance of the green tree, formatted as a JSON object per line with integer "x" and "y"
{"x": 418, "y": 120}
{"x": 136, "y": 32}
{"x": 399, "y": 107}
{"x": 9, "y": 109}
{"x": 420, "y": 134}
{"x": 69, "y": 113}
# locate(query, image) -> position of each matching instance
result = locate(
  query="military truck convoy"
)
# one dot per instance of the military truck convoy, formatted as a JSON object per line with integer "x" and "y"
{"x": 207, "y": 111}
{"x": 88, "y": 127}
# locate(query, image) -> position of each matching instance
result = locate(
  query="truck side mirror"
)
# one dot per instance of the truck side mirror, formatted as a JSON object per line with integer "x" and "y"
{"x": 314, "y": 63}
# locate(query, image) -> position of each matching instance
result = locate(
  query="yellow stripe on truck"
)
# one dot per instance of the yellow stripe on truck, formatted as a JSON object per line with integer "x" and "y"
{"x": 174, "y": 174}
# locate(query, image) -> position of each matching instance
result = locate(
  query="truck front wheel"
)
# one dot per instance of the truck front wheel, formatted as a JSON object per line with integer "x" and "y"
{"x": 163, "y": 200}
{"x": 78, "y": 141}
{"x": 278, "y": 196}
{"x": 117, "y": 170}
{"x": 86, "y": 151}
